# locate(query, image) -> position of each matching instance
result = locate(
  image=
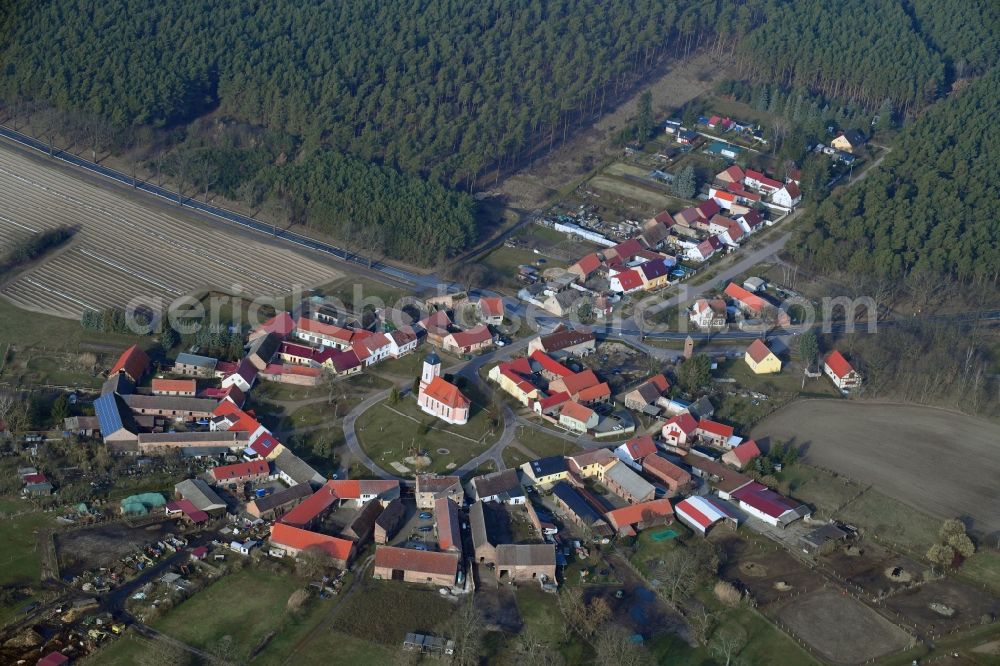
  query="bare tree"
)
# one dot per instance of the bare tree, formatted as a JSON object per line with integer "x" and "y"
{"x": 207, "y": 173}
{"x": 702, "y": 621}
{"x": 677, "y": 574}
{"x": 614, "y": 645}
{"x": 532, "y": 651}
{"x": 467, "y": 627}
{"x": 100, "y": 133}
{"x": 728, "y": 642}
{"x": 313, "y": 562}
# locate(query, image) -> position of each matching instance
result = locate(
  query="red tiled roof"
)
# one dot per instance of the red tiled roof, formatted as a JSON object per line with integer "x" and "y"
{"x": 446, "y": 515}
{"x": 342, "y": 360}
{"x": 446, "y": 393}
{"x": 708, "y": 209}
{"x": 793, "y": 190}
{"x": 662, "y": 467}
{"x": 733, "y": 174}
{"x": 596, "y": 392}
{"x": 491, "y": 307}
{"x": 641, "y": 512}
{"x": 576, "y": 411}
{"x": 226, "y": 368}
{"x": 660, "y": 381}
{"x": 320, "y": 328}
{"x": 474, "y": 336}
{"x": 627, "y": 249}
{"x": 758, "y": 351}
{"x": 752, "y": 301}
{"x": 640, "y": 447}
{"x": 264, "y": 445}
{"x": 179, "y": 385}
{"x": 311, "y": 507}
{"x": 133, "y": 362}
{"x": 344, "y": 488}
{"x": 629, "y": 279}
{"x": 589, "y": 263}
{"x": 716, "y": 305}
{"x": 553, "y": 400}
{"x": 188, "y": 508}
{"x": 243, "y": 421}
{"x": 419, "y": 561}
{"x": 280, "y": 324}
{"x": 550, "y": 364}
{"x": 684, "y": 422}
{"x": 437, "y": 319}
{"x": 746, "y": 451}
{"x": 578, "y": 381}
{"x": 251, "y": 468}
{"x": 838, "y": 364}
{"x": 299, "y": 539}
{"x": 34, "y": 478}
{"x": 715, "y": 428}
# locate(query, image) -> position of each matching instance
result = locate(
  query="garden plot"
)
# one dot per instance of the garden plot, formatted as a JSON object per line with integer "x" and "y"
{"x": 125, "y": 249}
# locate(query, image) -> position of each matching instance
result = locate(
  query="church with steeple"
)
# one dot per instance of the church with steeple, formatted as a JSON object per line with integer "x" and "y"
{"x": 439, "y": 397}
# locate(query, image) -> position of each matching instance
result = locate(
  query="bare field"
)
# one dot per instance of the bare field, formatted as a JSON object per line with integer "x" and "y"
{"x": 631, "y": 192}
{"x": 124, "y": 248}
{"x": 842, "y": 629}
{"x": 940, "y": 462}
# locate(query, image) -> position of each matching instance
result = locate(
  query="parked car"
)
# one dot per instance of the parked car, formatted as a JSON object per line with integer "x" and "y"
{"x": 425, "y": 515}
{"x": 425, "y": 528}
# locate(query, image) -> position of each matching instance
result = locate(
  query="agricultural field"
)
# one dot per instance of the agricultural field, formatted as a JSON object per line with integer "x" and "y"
{"x": 20, "y": 561}
{"x": 899, "y": 450}
{"x": 124, "y": 249}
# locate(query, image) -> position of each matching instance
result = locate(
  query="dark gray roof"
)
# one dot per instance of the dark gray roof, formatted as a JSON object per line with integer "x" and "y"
{"x": 296, "y": 468}
{"x": 477, "y": 525}
{"x": 171, "y": 403}
{"x": 391, "y": 515}
{"x": 206, "y": 362}
{"x": 265, "y": 347}
{"x": 548, "y": 466}
{"x": 575, "y": 502}
{"x": 526, "y": 555}
{"x": 200, "y": 494}
{"x": 504, "y": 484}
{"x": 118, "y": 383}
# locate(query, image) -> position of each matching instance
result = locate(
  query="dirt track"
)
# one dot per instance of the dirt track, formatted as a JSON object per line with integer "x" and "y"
{"x": 938, "y": 461}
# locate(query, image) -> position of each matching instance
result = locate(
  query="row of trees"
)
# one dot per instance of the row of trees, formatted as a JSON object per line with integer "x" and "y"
{"x": 28, "y": 249}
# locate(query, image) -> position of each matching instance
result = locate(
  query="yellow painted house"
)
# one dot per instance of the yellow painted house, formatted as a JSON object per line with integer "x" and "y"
{"x": 762, "y": 360}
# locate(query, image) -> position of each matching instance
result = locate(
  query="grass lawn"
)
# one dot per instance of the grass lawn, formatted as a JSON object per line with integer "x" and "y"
{"x": 648, "y": 552}
{"x": 407, "y": 366}
{"x": 787, "y": 382}
{"x": 983, "y": 568}
{"x": 352, "y": 287}
{"x": 385, "y": 611}
{"x": 893, "y": 522}
{"x": 823, "y": 490}
{"x": 544, "y": 444}
{"x": 317, "y": 652}
{"x": 19, "y": 559}
{"x": 245, "y": 605}
{"x": 387, "y": 435}
{"x": 21, "y": 327}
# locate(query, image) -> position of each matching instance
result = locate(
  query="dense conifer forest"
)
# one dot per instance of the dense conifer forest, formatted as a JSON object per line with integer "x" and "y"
{"x": 384, "y": 116}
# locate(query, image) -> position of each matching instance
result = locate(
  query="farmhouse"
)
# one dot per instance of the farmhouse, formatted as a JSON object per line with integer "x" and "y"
{"x": 546, "y": 471}
{"x": 741, "y": 455}
{"x": 849, "y": 141}
{"x": 491, "y": 310}
{"x": 514, "y": 379}
{"x": 181, "y": 387}
{"x": 194, "y": 365}
{"x": 263, "y": 349}
{"x": 755, "y": 306}
{"x": 761, "y": 360}
{"x": 577, "y": 508}
{"x": 281, "y": 325}
{"x": 133, "y": 363}
{"x": 436, "y": 326}
{"x": 275, "y": 505}
{"x": 293, "y": 540}
{"x": 475, "y": 339}
{"x": 627, "y": 281}
{"x": 240, "y": 473}
{"x": 191, "y": 443}
{"x": 840, "y": 372}
{"x": 633, "y": 451}
{"x": 577, "y": 417}
{"x": 647, "y": 393}
{"x": 622, "y": 481}
{"x": 402, "y": 341}
{"x": 574, "y": 383}
{"x": 634, "y": 518}
{"x": 551, "y": 405}
{"x": 447, "y": 525}
{"x": 708, "y": 313}
{"x": 788, "y": 196}
{"x": 503, "y": 486}
{"x": 389, "y": 521}
{"x": 586, "y": 266}
{"x": 187, "y": 409}
{"x": 590, "y": 463}
{"x": 678, "y": 430}
{"x": 564, "y": 342}
{"x": 243, "y": 377}
{"x": 201, "y": 495}
{"x": 430, "y": 488}
{"x": 715, "y": 433}
{"x": 293, "y": 470}
{"x": 415, "y": 566}
{"x": 548, "y": 367}
{"x": 700, "y": 513}
{"x": 673, "y": 477}
{"x": 761, "y": 502}
{"x": 526, "y": 562}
